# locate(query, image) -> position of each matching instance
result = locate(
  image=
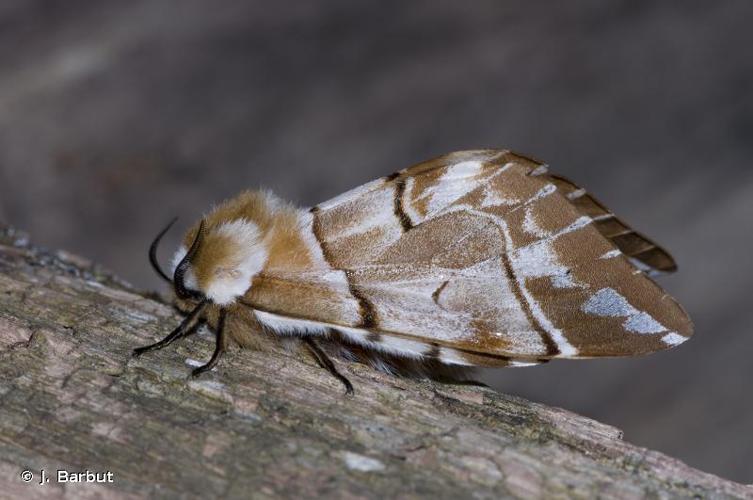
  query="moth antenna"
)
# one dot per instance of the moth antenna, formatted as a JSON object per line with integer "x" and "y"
{"x": 327, "y": 364}
{"x": 219, "y": 347}
{"x": 186, "y": 327}
{"x": 153, "y": 251}
{"x": 180, "y": 271}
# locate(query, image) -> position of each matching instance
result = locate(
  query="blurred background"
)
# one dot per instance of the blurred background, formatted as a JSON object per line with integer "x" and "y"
{"x": 115, "y": 116}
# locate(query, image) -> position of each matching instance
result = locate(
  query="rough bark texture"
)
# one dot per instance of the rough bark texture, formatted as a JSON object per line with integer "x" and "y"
{"x": 267, "y": 425}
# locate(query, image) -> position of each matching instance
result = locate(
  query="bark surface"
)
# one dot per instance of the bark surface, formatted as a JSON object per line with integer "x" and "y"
{"x": 267, "y": 425}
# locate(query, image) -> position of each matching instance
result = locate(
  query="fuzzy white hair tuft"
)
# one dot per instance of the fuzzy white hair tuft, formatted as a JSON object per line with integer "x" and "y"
{"x": 232, "y": 279}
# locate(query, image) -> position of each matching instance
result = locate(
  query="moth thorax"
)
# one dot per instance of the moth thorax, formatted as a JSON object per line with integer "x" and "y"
{"x": 227, "y": 260}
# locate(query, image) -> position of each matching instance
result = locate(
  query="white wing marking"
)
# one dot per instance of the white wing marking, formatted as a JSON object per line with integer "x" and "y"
{"x": 352, "y": 194}
{"x": 378, "y": 219}
{"x": 523, "y": 363}
{"x": 459, "y": 180}
{"x": 565, "y": 347}
{"x": 284, "y": 325}
{"x": 390, "y": 344}
{"x": 539, "y": 259}
{"x": 574, "y": 195}
{"x": 493, "y": 199}
{"x": 540, "y": 170}
{"x": 611, "y": 254}
{"x": 531, "y": 227}
{"x": 607, "y": 302}
{"x": 673, "y": 338}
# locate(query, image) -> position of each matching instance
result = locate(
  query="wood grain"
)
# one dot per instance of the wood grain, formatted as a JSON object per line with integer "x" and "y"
{"x": 268, "y": 425}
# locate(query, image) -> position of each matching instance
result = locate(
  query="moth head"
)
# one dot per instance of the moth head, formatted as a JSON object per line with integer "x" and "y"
{"x": 218, "y": 263}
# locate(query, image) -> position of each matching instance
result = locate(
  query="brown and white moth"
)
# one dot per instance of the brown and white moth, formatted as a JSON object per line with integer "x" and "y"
{"x": 475, "y": 258}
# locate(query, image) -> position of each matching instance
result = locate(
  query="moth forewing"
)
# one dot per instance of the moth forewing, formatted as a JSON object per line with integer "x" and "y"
{"x": 476, "y": 258}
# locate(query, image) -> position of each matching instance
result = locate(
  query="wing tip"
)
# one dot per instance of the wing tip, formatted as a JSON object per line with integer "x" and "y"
{"x": 653, "y": 258}
{"x": 686, "y": 327}
{"x": 644, "y": 254}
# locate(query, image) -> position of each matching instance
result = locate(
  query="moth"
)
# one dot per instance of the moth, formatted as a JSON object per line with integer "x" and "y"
{"x": 473, "y": 259}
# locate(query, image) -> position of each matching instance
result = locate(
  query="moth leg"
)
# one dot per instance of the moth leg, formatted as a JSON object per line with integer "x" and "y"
{"x": 326, "y": 363}
{"x": 185, "y": 328}
{"x": 176, "y": 334}
{"x": 219, "y": 347}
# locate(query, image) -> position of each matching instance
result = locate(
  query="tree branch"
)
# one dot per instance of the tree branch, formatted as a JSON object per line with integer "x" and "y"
{"x": 267, "y": 424}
